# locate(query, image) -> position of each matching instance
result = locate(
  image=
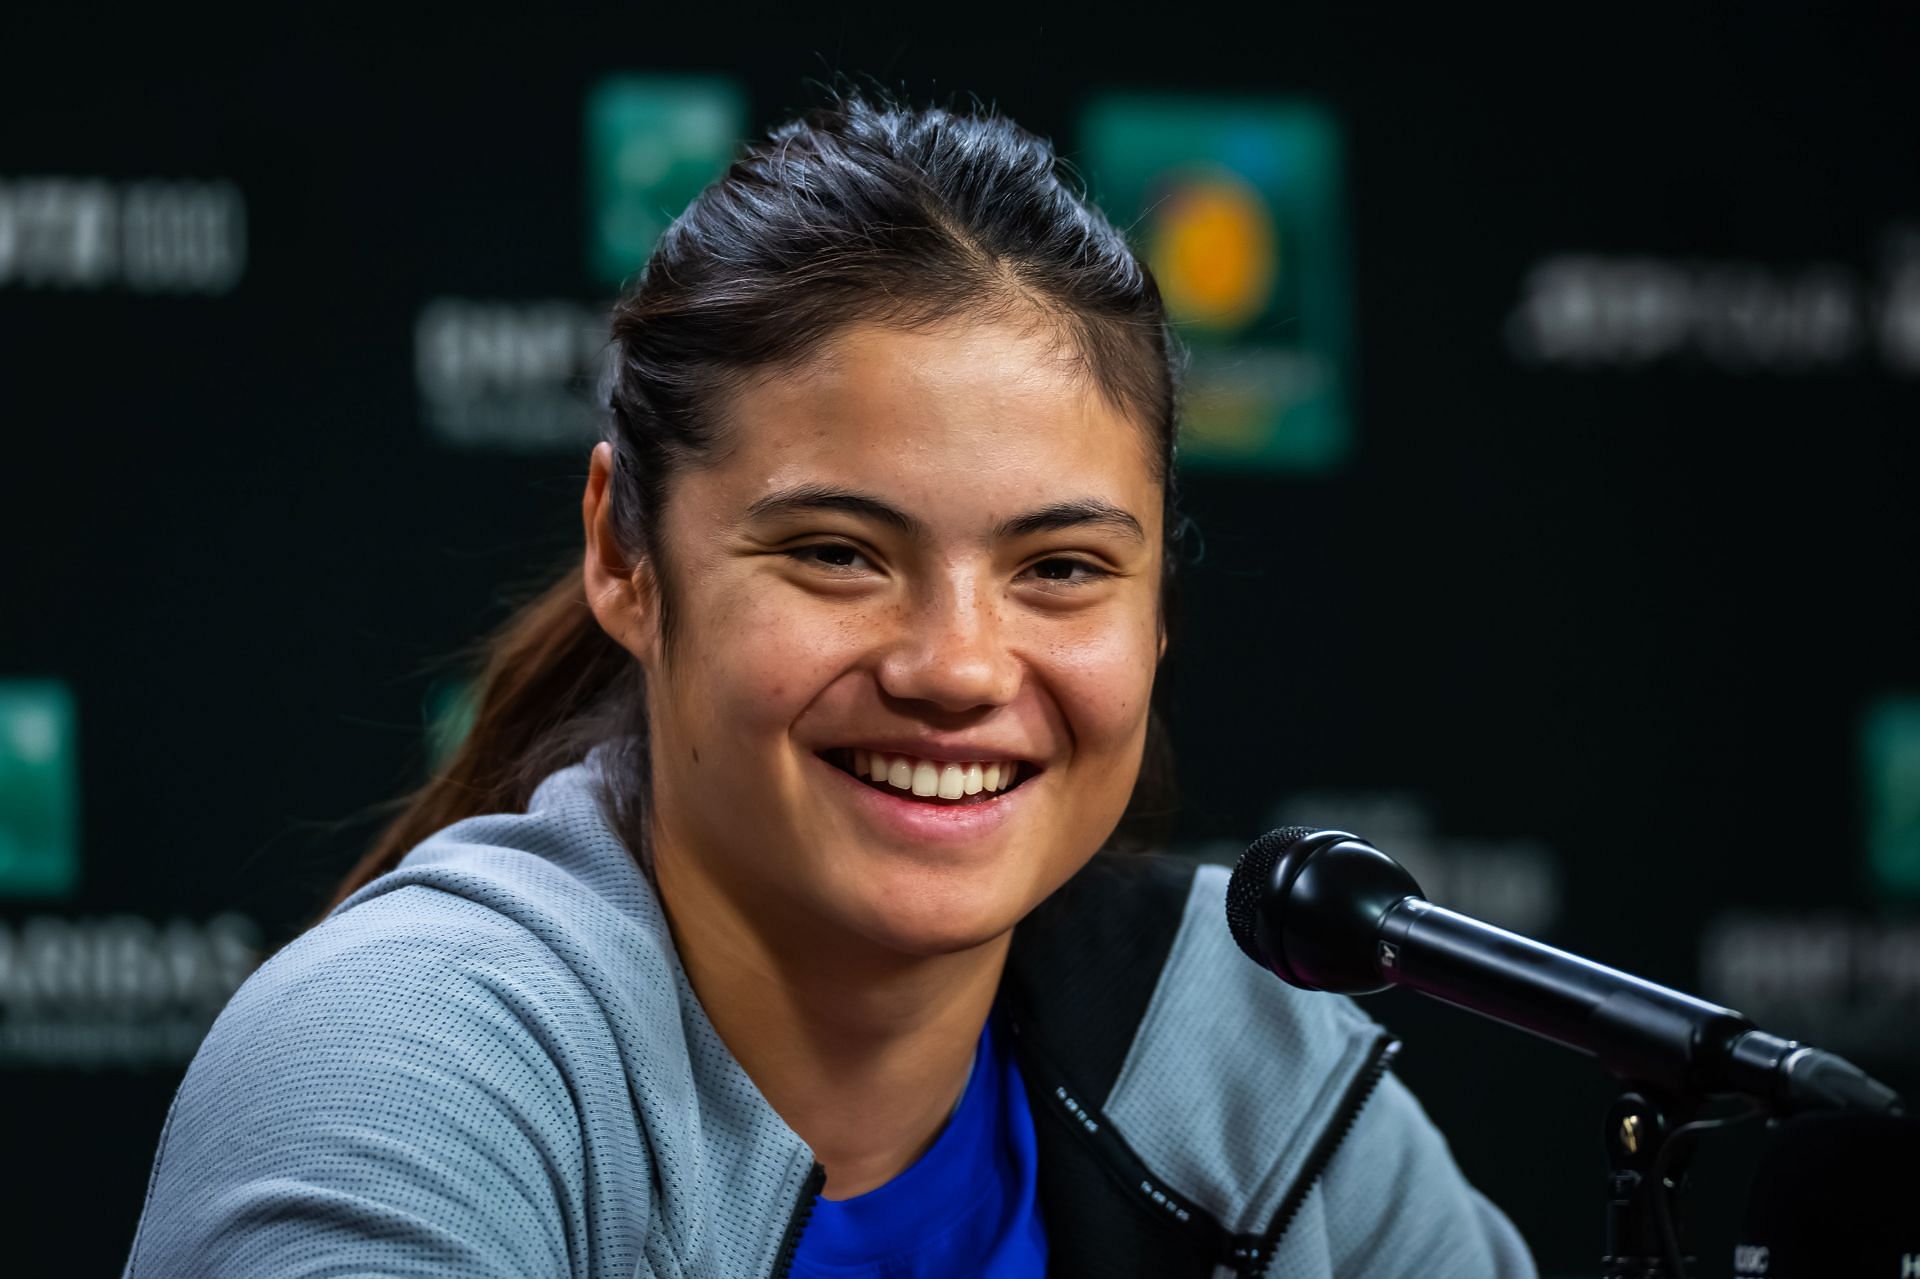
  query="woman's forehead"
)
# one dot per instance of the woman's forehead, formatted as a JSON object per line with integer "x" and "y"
{"x": 955, "y": 415}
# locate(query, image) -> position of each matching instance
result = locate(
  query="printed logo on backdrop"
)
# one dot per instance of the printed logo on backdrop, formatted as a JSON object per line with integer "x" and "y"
{"x": 1593, "y": 311}
{"x": 116, "y": 990}
{"x": 1237, "y": 206}
{"x": 513, "y": 376}
{"x": 529, "y": 375}
{"x": 90, "y": 991}
{"x": 39, "y": 791}
{"x": 652, "y": 144}
{"x": 81, "y": 234}
{"x": 1890, "y": 794}
{"x": 1847, "y": 981}
{"x": 1512, "y": 881}
{"x": 447, "y": 713}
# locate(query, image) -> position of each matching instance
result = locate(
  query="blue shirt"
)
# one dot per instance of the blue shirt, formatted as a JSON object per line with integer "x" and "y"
{"x": 962, "y": 1210}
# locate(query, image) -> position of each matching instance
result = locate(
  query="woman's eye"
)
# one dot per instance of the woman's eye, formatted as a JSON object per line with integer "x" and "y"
{"x": 829, "y": 555}
{"x": 1061, "y": 569}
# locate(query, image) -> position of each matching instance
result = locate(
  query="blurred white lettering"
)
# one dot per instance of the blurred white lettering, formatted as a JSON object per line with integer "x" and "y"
{"x": 116, "y": 990}
{"x": 1738, "y": 316}
{"x": 1849, "y": 984}
{"x": 509, "y": 375}
{"x": 1592, "y": 311}
{"x": 1514, "y": 883}
{"x": 91, "y": 234}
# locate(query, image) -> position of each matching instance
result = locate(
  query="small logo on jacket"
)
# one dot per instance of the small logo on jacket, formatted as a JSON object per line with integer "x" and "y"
{"x": 1160, "y": 1198}
{"x": 1078, "y": 1111}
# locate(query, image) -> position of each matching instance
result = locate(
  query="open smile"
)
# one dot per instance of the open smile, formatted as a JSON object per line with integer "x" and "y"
{"x": 932, "y": 781}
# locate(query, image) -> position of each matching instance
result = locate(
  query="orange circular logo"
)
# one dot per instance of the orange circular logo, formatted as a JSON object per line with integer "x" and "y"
{"x": 1212, "y": 249}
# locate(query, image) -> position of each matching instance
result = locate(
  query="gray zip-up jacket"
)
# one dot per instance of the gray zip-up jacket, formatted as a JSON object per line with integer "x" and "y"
{"x": 489, "y": 1062}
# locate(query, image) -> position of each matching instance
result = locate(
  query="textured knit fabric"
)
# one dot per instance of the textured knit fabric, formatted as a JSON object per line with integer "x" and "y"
{"x": 489, "y": 1062}
{"x": 1231, "y": 1077}
{"x": 1220, "y": 1150}
{"x": 964, "y": 1209}
{"x": 1222, "y": 1147}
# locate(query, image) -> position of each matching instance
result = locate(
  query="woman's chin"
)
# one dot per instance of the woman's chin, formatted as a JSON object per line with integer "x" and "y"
{"x": 918, "y": 918}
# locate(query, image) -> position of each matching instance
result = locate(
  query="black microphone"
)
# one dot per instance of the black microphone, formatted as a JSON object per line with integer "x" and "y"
{"x": 1325, "y": 910}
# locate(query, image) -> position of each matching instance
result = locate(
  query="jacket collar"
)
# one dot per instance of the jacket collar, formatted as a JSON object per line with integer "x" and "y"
{"x": 1184, "y": 1098}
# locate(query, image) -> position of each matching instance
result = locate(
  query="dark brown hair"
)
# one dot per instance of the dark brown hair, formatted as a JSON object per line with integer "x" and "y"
{"x": 857, "y": 212}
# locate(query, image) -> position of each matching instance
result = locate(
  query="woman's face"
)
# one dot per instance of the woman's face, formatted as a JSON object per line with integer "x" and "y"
{"x": 922, "y": 560}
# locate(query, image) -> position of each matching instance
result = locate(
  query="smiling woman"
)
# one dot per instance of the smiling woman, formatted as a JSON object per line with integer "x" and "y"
{"x": 924, "y": 545}
{"x": 762, "y": 924}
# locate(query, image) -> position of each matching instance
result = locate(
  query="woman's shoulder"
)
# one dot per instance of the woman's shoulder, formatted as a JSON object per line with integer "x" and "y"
{"x": 413, "y": 1084}
{"x": 410, "y": 949}
{"x": 558, "y": 869}
{"x": 491, "y": 955}
{"x": 463, "y": 1031}
{"x": 505, "y": 949}
{"x": 541, "y": 918}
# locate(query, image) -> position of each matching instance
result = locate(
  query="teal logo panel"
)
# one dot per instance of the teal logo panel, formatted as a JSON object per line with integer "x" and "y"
{"x": 652, "y": 144}
{"x": 1236, "y": 205}
{"x": 448, "y": 711}
{"x": 1890, "y": 776}
{"x": 39, "y": 790}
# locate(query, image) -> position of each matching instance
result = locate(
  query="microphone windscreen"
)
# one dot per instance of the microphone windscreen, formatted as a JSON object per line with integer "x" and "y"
{"x": 1836, "y": 1194}
{"x": 1251, "y": 877}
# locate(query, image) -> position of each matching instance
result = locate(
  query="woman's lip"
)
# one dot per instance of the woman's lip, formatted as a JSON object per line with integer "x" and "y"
{"x": 903, "y": 816}
{"x": 961, "y": 754}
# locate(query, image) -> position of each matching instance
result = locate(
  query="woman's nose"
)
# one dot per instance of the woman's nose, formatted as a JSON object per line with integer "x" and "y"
{"x": 951, "y": 651}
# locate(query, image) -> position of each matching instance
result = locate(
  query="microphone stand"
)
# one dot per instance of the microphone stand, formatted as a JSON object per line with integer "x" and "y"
{"x": 1647, "y": 1156}
{"x": 1642, "y": 1196}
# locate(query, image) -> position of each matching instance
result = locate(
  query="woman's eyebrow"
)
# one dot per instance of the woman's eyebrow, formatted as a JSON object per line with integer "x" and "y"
{"x": 825, "y": 497}
{"x": 1074, "y": 513}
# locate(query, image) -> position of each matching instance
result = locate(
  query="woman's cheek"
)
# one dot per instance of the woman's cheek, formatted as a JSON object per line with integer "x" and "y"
{"x": 1106, "y": 677}
{"x": 780, "y": 666}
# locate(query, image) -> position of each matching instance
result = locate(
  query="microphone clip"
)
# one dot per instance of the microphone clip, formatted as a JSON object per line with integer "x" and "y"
{"x": 1647, "y": 1157}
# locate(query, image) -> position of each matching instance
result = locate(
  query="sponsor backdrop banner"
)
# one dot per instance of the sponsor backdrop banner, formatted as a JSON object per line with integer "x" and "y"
{"x": 1551, "y": 438}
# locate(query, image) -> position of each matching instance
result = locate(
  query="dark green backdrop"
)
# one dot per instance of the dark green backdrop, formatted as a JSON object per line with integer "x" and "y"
{"x": 1609, "y": 615}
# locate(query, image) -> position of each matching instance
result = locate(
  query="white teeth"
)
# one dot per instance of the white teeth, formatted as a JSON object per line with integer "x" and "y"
{"x": 927, "y": 778}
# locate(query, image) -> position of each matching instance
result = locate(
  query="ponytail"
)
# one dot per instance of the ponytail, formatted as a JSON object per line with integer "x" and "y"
{"x": 552, "y": 685}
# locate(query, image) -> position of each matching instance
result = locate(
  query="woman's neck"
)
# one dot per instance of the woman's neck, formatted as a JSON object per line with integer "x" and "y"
{"x": 862, "y": 1051}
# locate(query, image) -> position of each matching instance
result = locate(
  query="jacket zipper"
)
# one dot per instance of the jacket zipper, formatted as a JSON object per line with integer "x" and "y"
{"x": 1379, "y": 1057}
{"x": 802, "y": 1213}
